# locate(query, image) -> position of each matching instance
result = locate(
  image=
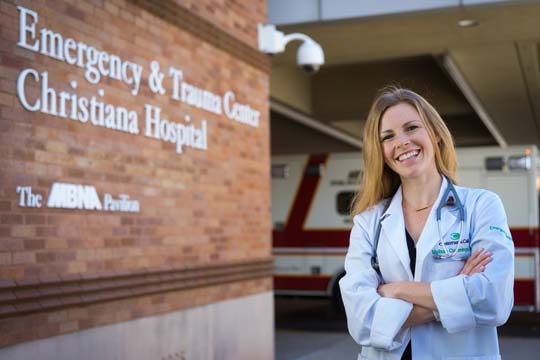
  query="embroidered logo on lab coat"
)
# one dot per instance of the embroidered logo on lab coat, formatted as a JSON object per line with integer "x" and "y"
{"x": 496, "y": 228}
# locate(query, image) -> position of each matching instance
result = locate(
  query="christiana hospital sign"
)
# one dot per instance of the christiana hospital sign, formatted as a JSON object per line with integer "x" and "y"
{"x": 94, "y": 110}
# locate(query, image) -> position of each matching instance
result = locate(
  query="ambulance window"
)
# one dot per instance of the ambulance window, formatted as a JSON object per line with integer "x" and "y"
{"x": 280, "y": 171}
{"x": 343, "y": 202}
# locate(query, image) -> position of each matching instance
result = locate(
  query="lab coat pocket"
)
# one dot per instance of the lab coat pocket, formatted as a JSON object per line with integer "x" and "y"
{"x": 445, "y": 268}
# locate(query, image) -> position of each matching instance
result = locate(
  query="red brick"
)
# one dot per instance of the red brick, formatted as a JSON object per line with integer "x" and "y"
{"x": 4, "y": 231}
{"x": 33, "y": 244}
{"x": 70, "y": 277}
{"x": 5, "y": 259}
{"x": 8, "y": 219}
{"x": 6, "y": 284}
{"x": 46, "y": 231}
{"x": 56, "y": 243}
{"x": 31, "y": 270}
{"x": 49, "y": 279}
{"x": 53, "y": 219}
{"x": 6, "y": 310}
{"x": 71, "y": 300}
{"x": 57, "y": 316}
{"x": 24, "y": 294}
{"x": 35, "y": 219}
{"x": 24, "y": 257}
{"x": 47, "y": 330}
{"x": 27, "y": 306}
{"x": 45, "y": 257}
{"x": 5, "y": 205}
{"x": 126, "y": 221}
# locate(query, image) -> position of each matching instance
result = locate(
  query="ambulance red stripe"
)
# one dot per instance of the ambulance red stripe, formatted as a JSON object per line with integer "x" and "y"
{"x": 304, "y": 196}
{"x": 302, "y": 283}
{"x": 523, "y": 238}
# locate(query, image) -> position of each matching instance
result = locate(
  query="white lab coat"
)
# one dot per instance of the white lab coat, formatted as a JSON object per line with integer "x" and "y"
{"x": 470, "y": 307}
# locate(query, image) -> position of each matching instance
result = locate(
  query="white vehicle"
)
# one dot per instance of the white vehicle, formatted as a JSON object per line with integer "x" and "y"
{"x": 311, "y": 196}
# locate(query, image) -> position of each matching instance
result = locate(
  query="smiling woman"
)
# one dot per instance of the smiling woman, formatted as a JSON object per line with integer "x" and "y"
{"x": 396, "y": 105}
{"x": 422, "y": 277}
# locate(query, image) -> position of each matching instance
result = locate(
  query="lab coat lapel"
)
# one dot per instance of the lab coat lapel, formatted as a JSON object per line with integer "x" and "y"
{"x": 393, "y": 231}
{"x": 430, "y": 234}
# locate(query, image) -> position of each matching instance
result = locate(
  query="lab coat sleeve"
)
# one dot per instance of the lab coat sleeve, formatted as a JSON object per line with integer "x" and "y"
{"x": 372, "y": 320}
{"x": 484, "y": 298}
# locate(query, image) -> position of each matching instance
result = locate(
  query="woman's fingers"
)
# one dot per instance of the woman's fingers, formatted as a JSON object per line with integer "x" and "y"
{"x": 477, "y": 262}
{"x": 471, "y": 262}
{"x": 475, "y": 258}
{"x": 476, "y": 254}
{"x": 481, "y": 266}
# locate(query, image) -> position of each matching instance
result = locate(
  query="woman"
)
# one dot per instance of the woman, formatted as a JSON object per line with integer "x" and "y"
{"x": 438, "y": 293}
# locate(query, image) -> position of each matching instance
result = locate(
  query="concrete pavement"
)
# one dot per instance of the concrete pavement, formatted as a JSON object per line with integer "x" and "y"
{"x": 304, "y": 345}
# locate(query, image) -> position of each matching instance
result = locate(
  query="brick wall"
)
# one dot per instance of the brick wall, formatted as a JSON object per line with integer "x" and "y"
{"x": 238, "y": 18}
{"x": 197, "y": 209}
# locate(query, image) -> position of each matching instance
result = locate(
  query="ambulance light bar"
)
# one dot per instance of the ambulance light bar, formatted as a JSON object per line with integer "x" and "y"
{"x": 519, "y": 162}
{"x": 514, "y": 162}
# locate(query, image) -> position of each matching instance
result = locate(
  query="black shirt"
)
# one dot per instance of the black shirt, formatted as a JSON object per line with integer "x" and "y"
{"x": 407, "y": 355}
{"x": 412, "y": 250}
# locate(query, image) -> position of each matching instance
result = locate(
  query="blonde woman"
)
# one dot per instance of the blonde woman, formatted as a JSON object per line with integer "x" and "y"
{"x": 430, "y": 265}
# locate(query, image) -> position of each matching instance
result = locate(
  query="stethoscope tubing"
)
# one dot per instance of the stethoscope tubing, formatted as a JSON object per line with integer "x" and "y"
{"x": 446, "y": 200}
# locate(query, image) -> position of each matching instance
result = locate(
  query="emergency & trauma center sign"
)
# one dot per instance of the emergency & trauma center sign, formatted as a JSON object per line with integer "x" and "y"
{"x": 64, "y": 101}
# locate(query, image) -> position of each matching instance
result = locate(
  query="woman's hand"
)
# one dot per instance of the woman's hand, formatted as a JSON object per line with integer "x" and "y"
{"x": 419, "y": 316}
{"x": 415, "y": 292}
{"x": 390, "y": 290}
{"x": 476, "y": 263}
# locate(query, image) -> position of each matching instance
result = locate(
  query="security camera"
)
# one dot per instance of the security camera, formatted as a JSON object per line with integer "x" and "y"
{"x": 310, "y": 55}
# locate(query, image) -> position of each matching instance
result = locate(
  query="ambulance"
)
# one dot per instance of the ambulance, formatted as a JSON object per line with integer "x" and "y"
{"x": 311, "y": 197}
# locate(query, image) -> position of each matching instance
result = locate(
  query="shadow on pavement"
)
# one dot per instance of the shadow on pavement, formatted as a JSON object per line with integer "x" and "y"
{"x": 308, "y": 314}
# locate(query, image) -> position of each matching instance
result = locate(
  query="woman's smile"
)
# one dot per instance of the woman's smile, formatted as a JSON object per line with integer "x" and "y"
{"x": 408, "y": 156}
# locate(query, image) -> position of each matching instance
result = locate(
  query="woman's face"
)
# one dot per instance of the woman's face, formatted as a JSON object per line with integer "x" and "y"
{"x": 406, "y": 146}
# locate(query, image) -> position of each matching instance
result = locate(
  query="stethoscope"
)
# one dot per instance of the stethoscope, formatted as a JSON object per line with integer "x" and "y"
{"x": 450, "y": 201}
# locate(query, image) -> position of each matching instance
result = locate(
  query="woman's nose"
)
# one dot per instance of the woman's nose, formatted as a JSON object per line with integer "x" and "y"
{"x": 402, "y": 140}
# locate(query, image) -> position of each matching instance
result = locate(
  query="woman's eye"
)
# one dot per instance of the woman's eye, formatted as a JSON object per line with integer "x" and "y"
{"x": 412, "y": 127}
{"x": 386, "y": 138}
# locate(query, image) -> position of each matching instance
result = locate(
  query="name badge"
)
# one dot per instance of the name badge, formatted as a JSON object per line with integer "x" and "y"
{"x": 453, "y": 249}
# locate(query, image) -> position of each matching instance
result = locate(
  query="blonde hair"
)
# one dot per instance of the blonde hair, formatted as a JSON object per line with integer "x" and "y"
{"x": 378, "y": 180}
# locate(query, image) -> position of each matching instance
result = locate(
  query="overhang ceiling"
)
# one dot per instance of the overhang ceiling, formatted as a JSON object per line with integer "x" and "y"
{"x": 498, "y": 60}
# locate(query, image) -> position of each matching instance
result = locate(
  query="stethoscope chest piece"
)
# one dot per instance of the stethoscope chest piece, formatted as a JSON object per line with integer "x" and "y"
{"x": 452, "y": 200}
